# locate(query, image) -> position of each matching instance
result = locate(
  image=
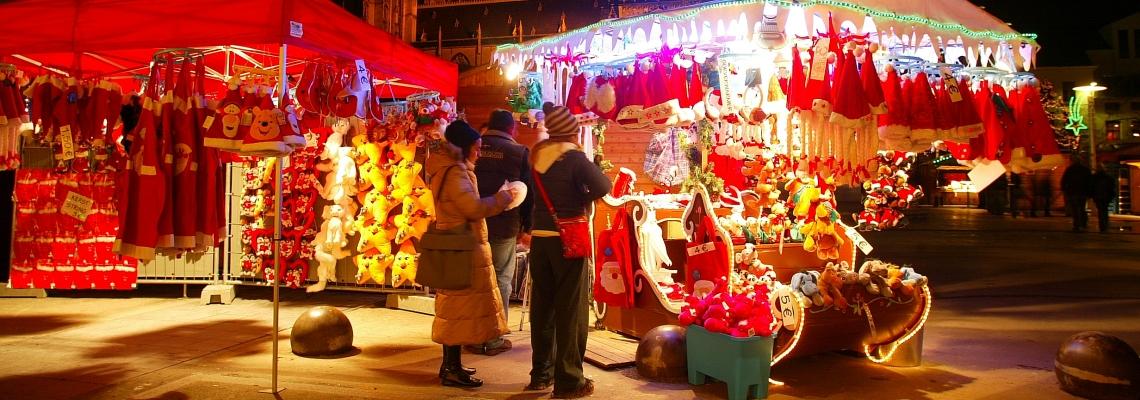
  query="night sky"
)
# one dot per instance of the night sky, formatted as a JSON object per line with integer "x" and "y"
{"x": 1065, "y": 28}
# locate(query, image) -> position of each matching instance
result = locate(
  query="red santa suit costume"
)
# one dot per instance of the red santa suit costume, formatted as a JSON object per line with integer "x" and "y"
{"x": 139, "y": 207}
{"x": 184, "y": 197}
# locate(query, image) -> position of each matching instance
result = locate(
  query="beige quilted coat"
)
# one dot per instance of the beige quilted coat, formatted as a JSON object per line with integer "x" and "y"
{"x": 473, "y": 315}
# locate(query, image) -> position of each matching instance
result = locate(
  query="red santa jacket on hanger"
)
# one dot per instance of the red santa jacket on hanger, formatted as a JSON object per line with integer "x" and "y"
{"x": 139, "y": 206}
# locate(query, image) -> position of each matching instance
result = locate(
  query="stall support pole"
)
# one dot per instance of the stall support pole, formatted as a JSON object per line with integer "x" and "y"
{"x": 274, "y": 389}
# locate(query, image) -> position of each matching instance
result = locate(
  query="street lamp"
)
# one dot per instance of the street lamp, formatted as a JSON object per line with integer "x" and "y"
{"x": 1090, "y": 91}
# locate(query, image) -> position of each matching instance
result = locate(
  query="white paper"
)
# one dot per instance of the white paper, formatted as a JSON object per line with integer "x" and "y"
{"x": 985, "y": 173}
{"x": 520, "y": 188}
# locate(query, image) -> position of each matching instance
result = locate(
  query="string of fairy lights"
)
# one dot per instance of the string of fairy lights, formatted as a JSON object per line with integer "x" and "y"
{"x": 839, "y": 4}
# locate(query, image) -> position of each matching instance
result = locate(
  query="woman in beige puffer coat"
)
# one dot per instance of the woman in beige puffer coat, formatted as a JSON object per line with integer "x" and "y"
{"x": 474, "y": 315}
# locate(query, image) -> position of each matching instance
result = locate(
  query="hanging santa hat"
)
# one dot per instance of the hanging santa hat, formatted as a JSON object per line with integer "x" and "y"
{"x": 969, "y": 123}
{"x": 713, "y": 104}
{"x": 851, "y": 108}
{"x": 797, "y": 84}
{"x": 922, "y": 108}
{"x": 222, "y": 131}
{"x": 893, "y": 126}
{"x": 678, "y": 86}
{"x": 946, "y": 122}
{"x": 872, "y": 87}
{"x": 696, "y": 91}
{"x": 1042, "y": 150}
{"x": 575, "y": 94}
{"x": 819, "y": 90}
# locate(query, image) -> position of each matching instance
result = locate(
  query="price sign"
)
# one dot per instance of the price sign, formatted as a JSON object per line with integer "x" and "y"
{"x": 208, "y": 122}
{"x": 860, "y": 242}
{"x": 787, "y": 303}
{"x": 701, "y": 249}
{"x": 247, "y": 117}
{"x": 76, "y": 206}
{"x": 819, "y": 59}
{"x": 66, "y": 143}
{"x": 951, "y": 85}
{"x": 363, "y": 75}
{"x": 296, "y": 29}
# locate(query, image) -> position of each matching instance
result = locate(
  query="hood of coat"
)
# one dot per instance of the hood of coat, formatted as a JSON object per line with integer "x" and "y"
{"x": 547, "y": 152}
{"x": 442, "y": 155}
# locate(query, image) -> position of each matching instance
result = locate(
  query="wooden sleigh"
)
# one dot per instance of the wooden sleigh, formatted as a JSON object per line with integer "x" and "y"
{"x": 873, "y": 325}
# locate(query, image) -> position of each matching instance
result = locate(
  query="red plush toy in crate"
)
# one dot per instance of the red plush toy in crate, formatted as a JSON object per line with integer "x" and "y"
{"x": 746, "y": 313}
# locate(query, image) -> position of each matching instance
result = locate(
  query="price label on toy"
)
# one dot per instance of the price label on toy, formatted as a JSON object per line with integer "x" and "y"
{"x": 363, "y": 75}
{"x": 208, "y": 122}
{"x": 701, "y": 249}
{"x": 66, "y": 143}
{"x": 860, "y": 242}
{"x": 819, "y": 59}
{"x": 788, "y": 304}
{"x": 951, "y": 85}
{"x": 76, "y": 206}
{"x": 247, "y": 117}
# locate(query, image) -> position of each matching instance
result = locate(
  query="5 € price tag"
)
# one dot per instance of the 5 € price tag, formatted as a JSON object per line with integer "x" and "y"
{"x": 860, "y": 242}
{"x": 208, "y": 122}
{"x": 77, "y": 206}
{"x": 66, "y": 143}
{"x": 788, "y": 304}
{"x": 819, "y": 59}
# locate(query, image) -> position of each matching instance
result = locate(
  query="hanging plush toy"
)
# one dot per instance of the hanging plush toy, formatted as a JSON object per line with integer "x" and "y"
{"x": 404, "y": 266}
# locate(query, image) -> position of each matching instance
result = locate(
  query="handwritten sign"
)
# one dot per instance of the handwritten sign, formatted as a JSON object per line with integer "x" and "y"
{"x": 296, "y": 29}
{"x": 786, "y": 301}
{"x": 951, "y": 85}
{"x": 66, "y": 143}
{"x": 208, "y": 122}
{"x": 860, "y": 242}
{"x": 701, "y": 249}
{"x": 76, "y": 206}
{"x": 819, "y": 59}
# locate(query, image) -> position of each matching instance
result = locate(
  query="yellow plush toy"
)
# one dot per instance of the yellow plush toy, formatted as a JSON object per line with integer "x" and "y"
{"x": 820, "y": 233}
{"x": 404, "y": 267}
{"x": 416, "y": 214}
{"x": 373, "y": 266}
{"x": 405, "y": 172}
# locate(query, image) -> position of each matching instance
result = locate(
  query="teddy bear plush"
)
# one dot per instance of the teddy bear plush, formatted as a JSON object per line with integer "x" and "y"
{"x": 873, "y": 275}
{"x": 830, "y": 283}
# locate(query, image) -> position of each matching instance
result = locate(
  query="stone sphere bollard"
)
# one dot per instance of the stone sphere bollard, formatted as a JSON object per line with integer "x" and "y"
{"x": 321, "y": 331}
{"x": 661, "y": 354}
{"x": 1094, "y": 365}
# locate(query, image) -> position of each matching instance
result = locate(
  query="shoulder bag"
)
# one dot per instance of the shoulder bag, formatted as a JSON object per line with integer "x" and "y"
{"x": 446, "y": 256}
{"x": 575, "y": 231}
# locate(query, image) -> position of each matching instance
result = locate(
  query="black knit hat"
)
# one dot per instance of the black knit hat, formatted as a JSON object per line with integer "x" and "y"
{"x": 460, "y": 134}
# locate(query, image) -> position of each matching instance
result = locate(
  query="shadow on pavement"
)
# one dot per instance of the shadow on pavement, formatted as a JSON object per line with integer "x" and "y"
{"x": 394, "y": 349}
{"x": 859, "y": 378}
{"x": 66, "y": 384}
{"x": 36, "y": 324}
{"x": 181, "y": 338}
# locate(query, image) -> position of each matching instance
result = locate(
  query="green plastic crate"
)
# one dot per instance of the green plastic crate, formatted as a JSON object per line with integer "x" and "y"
{"x": 742, "y": 363}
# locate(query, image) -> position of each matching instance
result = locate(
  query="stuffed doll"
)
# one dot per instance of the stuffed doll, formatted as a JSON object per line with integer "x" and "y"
{"x": 404, "y": 265}
{"x": 417, "y": 213}
{"x": 830, "y": 283}
{"x": 821, "y": 234}
{"x": 329, "y": 244}
{"x": 374, "y": 266}
{"x": 805, "y": 282}
{"x": 406, "y": 171}
{"x": 876, "y": 278}
{"x": 911, "y": 280}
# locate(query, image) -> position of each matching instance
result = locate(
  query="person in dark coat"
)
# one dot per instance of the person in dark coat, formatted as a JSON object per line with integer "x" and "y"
{"x": 1075, "y": 185}
{"x": 502, "y": 159}
{"x": 1103, "y": 190}
{"x": 559, "y": 309}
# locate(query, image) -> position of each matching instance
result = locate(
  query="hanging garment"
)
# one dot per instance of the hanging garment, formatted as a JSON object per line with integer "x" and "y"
{"x": 797, "y": 85}
{"x": 851, "y": 106}
{"x": 969, "y": 123}
{"x": 613, "y": 274}
{"x": 575, "y": 94}
{"x": 166, "y": 133}
{"x": 184, "y": 197}
{"x": 872, "y": 87}
{"x": 922, "y": 108}
{"x": 139, "y": 205}
{"x": 1005, "y": 120}
{"x": 1040, "y": 149}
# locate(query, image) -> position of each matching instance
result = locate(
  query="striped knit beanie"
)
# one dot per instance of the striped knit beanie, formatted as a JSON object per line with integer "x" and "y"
{"x": 559, "y": 122}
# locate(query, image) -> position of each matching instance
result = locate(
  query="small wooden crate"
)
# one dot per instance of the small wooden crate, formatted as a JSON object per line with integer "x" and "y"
{"x": 743, "y": 363}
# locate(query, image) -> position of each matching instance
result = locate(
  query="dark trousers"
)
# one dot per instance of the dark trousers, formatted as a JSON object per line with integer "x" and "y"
{"x": 558, "y": 314}
{"x": 1101, "y": 214}
{"x": 1076, "y": 205}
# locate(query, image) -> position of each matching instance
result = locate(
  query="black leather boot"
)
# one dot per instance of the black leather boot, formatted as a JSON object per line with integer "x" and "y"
{"x": 452, "y": 373}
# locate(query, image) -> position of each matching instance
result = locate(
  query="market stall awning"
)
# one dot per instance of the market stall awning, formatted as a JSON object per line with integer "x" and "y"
{"x": 904, "y": 27}
{"x": 94, "y": 38}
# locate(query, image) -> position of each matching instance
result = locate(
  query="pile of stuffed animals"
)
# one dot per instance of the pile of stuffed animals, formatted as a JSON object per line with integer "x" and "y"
{"x": 824, "y": 288}
{"x": 740, "y": 308}
{"x": 888, "y": 193}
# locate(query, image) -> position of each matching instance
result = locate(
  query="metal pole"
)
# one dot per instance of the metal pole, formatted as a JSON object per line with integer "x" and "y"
{"x": 1092, "y": 130}
{"x": 277, "y": 236}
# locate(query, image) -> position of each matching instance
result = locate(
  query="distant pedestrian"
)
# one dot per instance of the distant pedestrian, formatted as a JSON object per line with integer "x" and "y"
{"x": 1075, "y": 185}
{"x": 1103, "y": 190}
{"x": 1042, "y": 193}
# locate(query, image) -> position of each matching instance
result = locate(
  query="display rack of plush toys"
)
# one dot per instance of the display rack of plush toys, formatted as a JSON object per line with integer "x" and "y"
{"x": 821, "y": 304}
